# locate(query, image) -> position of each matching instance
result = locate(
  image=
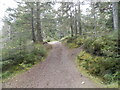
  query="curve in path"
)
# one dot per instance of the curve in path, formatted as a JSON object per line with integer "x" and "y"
{"x": 57, "y": 71}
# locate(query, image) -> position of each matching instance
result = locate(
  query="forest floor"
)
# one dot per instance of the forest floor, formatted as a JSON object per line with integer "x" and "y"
{"x": 57, "y": 71}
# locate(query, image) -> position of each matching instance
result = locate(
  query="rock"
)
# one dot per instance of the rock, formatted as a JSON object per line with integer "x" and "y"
{"x": 83, "y": 82}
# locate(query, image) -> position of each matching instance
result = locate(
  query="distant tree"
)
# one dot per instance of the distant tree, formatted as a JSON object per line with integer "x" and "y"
{"x": 39, "y": 29}
{"x": 75, "y": 20}
{"x": 93, "y": 15}
{"x": 115, "y": 15}
{"x": 79, "y": 19}
{"x": 31, "y": 5}
{"x": 71, "y": 24}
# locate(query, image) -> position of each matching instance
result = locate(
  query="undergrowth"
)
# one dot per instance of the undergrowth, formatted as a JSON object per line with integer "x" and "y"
{"x": 100, "y": 56}
{"x": 22, "y": 60}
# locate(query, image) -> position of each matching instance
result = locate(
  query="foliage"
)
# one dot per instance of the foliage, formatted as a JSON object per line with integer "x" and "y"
{"x": 105, "y": 67}
{"x": 25, "y": 60}
{"x": 100, "y": 56}
{"x": 103, "y": 46}
{"x": 28, "y": 22}
{"x": 74, "y": 42}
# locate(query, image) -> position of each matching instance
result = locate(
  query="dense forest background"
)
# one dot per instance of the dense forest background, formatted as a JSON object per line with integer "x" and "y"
{"x": 31, "y": 24}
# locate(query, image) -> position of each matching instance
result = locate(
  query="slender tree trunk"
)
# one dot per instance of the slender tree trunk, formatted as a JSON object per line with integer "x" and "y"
{"x": 32, "y": 24}
{"x": 71, "y": 24}
{"x": 39, "y": 32}
{"x": 94, "y": 17}
{"x": 119, "y": 28}
{"x": 75, "y": 22}
{"x": 115, "y": 15}
{"x": 116, "y": 22}
{"x": 79, "y": 20}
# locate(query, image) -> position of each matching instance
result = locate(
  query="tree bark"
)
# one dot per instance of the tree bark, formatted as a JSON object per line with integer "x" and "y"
{"x": 79, "y": 20}
{"x": 75, "y": 22}
{"x": 115, "y": 15}
{"x": 32, "y": 24}
{"x": 71, "y": 24}
{"x": 39, "y": 30}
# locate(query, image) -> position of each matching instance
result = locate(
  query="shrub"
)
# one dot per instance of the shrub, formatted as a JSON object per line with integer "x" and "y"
{"x": 100, "y": 56}
{"x": 39, "y": 50}
{"x": 104, "y": 67}
{"x": 23, "y": 60}
{"x": 48, "y": 40}
{"x": 74, "y": 42}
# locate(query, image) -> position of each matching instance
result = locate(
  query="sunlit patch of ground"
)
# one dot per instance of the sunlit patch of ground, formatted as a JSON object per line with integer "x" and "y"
{"x": 54, "y": 42}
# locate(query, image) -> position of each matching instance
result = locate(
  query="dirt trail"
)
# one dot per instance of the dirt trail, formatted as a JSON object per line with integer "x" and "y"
{"x": 57, "y": 71}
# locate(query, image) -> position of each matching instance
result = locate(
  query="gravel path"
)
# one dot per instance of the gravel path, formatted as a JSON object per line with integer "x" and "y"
{"x": 57, "y": 71}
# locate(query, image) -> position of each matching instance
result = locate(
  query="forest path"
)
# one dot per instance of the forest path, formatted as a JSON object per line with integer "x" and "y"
{"x": 57, "y": 71}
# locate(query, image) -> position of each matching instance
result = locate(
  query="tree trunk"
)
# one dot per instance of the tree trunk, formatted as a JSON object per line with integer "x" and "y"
{"x": 75, "y": 22}
{"x": 39, "y": 32}
{"x": 94, "y": 17}
{"x": 79, "y": 20}
{"x": 71, "y": 24}
{"x": 32, "y": 23}
{"x": 116, "y": 22}
{"x": 115, "y": 15}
